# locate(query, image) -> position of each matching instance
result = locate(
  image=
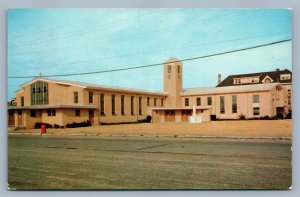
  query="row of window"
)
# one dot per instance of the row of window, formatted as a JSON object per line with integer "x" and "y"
{"x": 113, "y": 104}
{"x": 155, "y": 102}
{"x": 91, "y": 97}
{"x": 52, "y": 112}
{"x": 198, "y": 101}
{"x": 255, "y": 99}
{"x": 252, "y": 80}
{"x": 91, "y": 100}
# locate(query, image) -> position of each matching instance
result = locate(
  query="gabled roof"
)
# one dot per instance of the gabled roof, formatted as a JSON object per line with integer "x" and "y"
{"x": 229, "y": 89}
{"x": 96, "y": 86}
{"x": 275, "y": 75}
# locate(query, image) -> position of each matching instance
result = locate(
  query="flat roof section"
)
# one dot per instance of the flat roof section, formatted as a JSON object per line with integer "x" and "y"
{"x": 53, "y": 107}
{"x": 179, "y": 108}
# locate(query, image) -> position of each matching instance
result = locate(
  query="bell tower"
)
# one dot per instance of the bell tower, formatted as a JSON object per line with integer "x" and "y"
{"x": 173, "y": 82}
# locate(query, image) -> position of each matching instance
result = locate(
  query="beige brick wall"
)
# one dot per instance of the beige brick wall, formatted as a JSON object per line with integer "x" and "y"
{"x": 244, "y": 103}
{"x": 68, "y": 116}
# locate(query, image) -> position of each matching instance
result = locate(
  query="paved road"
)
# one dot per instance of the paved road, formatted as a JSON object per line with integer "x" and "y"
{"x": 48, "y": 162}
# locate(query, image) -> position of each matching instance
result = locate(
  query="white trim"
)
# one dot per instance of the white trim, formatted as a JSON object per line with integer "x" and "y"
{"x": 53, "y": 81}
{"x": 267, "y": 77}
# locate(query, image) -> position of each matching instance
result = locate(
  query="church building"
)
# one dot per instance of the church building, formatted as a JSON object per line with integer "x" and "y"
{"x": 61, "y": 102}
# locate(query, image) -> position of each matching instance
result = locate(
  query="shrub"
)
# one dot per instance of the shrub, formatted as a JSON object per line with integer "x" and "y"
{"x": 242, "y": 117}
{"x": 38, "y": 125}
{"x": 148, "y": 119}
{"x": 80, "y": 124}
{"x": 265, "y": 117}
{"x": 279, "y": 116}
{"x": 56, "y": 126}
{"x": 288, "y": 116}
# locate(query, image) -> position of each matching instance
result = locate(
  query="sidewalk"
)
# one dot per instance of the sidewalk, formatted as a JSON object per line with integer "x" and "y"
{"x": 250, "y": 129}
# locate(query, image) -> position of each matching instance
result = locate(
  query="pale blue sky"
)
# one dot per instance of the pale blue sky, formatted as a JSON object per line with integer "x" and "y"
{"x": 61, "y": 41}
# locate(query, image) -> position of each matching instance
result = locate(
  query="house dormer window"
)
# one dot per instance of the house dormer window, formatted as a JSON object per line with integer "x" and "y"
{"x": 237, "y": 81}
{"x": 254, "y": 80}
{"x": 267, "y": 81}
{"x": 285, "y": 76}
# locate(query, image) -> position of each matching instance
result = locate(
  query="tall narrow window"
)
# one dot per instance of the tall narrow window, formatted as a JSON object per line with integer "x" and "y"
{"x": 169, "y": 71}
{"x": 148, "y": 101}
{"x": 198, "y": 101}
{"x": 140, "y": 105}
{"x": 162, "y": 102}
{"x": 113, "y": 106}
{"x": 75, "y": 95}
{"x": 289, "y": 100}
{"x": 234, "y": 103}
{"x": 255, "y": 98}
{"x": 178, "y": 71}
{"x": 39, "y": 93}
{"x": 222, "y": 104}
{"x": 102, "y": 105}
{"x": 155, "y": 102}
{"x": 122, "y": 105}
{"x": 91, "y": 97}
{"x": 132, "y": 105}
{"x": 186, "y": 102}
{"x": 22, "y": 100}
{"x": 209, "y": 100}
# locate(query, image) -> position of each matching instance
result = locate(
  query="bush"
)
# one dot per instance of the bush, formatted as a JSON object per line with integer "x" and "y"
{"x": 38, "y": 125}
{"x": 265, "y": 117}
{"x": 242, "y": 117}
{"x": 80, "y": 124}
{"x": 288, "y": 116}
{"x": 56, "y": 126}
{"x": 146, "y": 120}
{"x": 279, "y": 116}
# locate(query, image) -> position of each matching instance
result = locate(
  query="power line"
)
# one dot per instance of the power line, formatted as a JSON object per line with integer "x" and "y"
{"x": 155, "y": 51}
{"x": 129, "y": 36}
{"x": 60, "y": 26}
{"x": 157, "y": 64}
{"x": 78, "y": 32}
{"x": 118, "y": 23}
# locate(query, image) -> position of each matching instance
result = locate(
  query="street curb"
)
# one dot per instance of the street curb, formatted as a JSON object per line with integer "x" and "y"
{"x": 151, "y": 136}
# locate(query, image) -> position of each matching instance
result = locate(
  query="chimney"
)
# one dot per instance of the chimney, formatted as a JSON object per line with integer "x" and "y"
{"x": 219, "y": 78}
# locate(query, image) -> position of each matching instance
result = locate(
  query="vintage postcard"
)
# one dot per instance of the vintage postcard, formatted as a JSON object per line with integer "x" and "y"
{"x": 111, "y": 99}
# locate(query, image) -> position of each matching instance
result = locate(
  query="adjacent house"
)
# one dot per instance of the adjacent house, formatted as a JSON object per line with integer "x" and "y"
{"x": 284, "y": 77}
{"x": 61, "y": 102}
